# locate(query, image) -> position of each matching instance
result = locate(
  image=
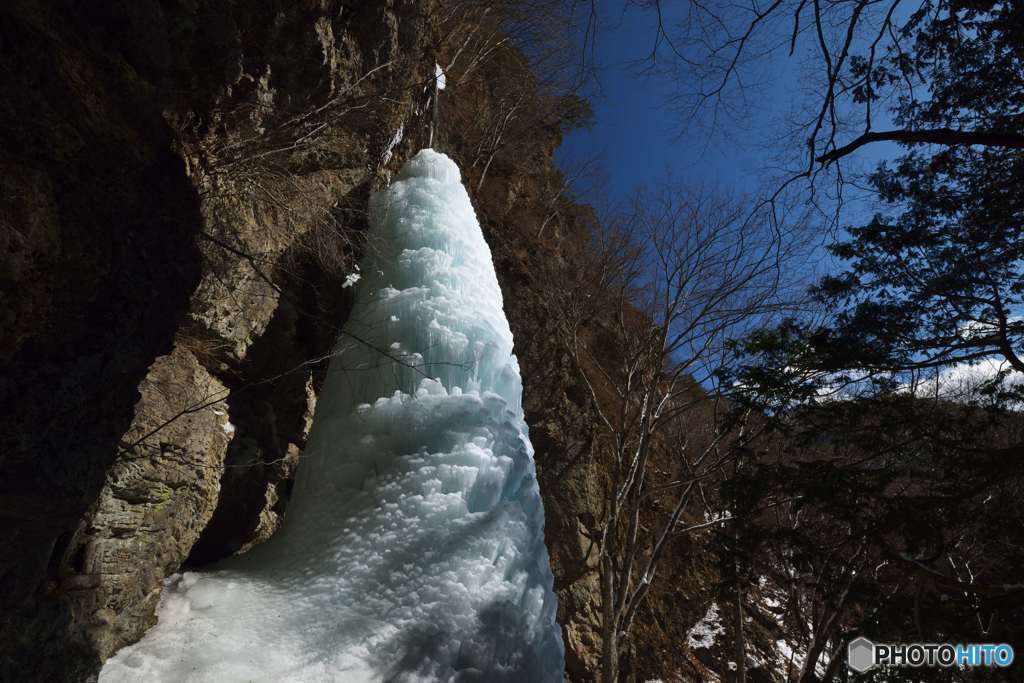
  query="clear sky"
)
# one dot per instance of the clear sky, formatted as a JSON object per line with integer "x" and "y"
{"x": 641, "y": 135}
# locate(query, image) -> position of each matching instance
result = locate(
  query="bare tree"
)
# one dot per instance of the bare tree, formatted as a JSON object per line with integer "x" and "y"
{"x": 513, "y": 43}
{"x": 684, "y": 274}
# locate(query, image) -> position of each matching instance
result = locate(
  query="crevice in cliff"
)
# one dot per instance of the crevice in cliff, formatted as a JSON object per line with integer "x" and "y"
{"x": 273, "y": 394}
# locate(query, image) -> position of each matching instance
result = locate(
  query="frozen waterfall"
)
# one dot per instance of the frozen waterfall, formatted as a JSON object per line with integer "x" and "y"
{"x": 413, "y": 547}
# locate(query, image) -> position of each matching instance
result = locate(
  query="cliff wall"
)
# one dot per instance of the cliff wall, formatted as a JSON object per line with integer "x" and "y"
{"x": 184, "y": 193}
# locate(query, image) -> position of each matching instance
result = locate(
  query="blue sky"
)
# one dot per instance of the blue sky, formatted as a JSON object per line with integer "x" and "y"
{"x": 639, "y": 138}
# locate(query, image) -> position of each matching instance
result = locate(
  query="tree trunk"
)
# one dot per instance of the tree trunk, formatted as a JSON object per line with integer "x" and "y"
{"x": 609, "y": 630}
{"x": 741, "y": 642}
{"x": 838, "y": 657}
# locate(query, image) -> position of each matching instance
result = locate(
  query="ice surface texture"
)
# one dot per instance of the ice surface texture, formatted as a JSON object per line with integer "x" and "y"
{"x": 413, "y": 547}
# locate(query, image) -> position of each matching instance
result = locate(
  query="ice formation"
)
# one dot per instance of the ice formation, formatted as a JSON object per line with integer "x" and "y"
{"x": 413, "y": 546}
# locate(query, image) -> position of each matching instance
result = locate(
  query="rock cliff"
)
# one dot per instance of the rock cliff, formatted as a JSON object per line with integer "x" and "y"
{"x": 184, "y": 188}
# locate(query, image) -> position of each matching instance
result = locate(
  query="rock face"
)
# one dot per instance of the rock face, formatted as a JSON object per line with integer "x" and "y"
{"x": 176, "y": 228}
{"x": 99, "y": 260}
{"x": 158, "y": 496}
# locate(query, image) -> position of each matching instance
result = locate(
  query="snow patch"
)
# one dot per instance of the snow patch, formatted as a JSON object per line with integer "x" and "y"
{"x": 717, "y": 516}
{"x": 789, "y": 655}
{"x": 793, "y": 658}
{"x": 705, "y": 632}
{"x": 396, "y": 140}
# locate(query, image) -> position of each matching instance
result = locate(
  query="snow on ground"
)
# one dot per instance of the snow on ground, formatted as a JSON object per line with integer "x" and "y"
{"x": 792, "y": 658}
{"x": 717, "y": 515}
{"x": 789, "y": 655}
{"x": 413, "y": 546}
{"x": 704, "y": 633}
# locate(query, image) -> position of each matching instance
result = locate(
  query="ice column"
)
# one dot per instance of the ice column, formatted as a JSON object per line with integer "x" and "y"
{"x": 413, "y": 547}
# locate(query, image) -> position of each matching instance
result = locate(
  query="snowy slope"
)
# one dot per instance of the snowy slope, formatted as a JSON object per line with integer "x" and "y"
{"x": 413, "y": 546}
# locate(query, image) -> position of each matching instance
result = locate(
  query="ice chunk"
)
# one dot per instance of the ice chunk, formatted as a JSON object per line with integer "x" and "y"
{"x": 413, "y": 546}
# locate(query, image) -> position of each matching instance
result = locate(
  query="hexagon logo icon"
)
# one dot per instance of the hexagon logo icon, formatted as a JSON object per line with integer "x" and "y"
{"x": 860, "y": 655}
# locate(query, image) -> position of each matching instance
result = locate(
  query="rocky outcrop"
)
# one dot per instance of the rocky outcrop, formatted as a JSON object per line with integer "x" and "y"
{"x": 99, "y": 260}
{"x": 184, "y": 187}
{"x": 158, "y": 496}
